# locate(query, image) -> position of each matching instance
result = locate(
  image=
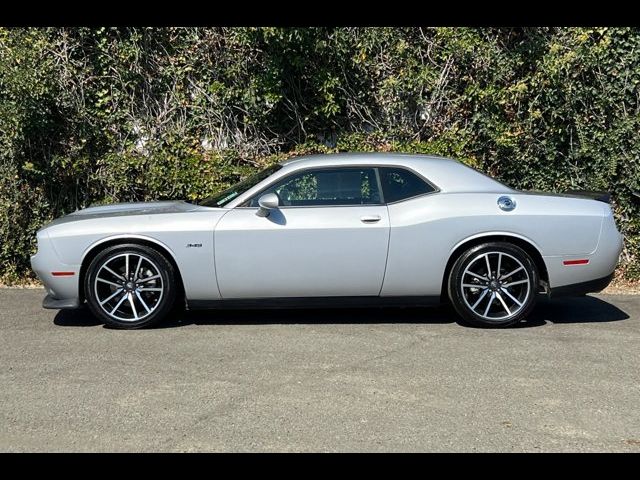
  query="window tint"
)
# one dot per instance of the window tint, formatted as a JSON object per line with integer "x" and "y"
{"x": 344, "y": 186}
{"x": 398, "y": 184}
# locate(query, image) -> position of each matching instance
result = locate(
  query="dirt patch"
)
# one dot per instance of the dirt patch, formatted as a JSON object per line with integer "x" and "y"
{"x": 620, "y": 286}
{"x": 23, "y": 284}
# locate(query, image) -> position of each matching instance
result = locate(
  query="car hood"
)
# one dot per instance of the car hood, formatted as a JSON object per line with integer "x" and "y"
{"x": 128, "y": 209}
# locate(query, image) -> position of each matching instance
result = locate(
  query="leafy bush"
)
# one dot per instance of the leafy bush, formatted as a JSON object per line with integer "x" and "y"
{"x": 122, "y": 114}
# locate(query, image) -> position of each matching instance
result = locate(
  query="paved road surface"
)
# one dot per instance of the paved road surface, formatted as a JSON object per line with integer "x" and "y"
{"x": 322, "y": 380}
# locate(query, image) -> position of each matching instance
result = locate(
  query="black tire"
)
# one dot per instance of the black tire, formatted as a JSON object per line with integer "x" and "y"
{"x": 499, "y": 314}
{"x": 159, "y": 304}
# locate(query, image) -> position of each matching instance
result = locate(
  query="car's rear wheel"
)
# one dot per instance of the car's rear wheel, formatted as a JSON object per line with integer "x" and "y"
{"x": 130, "y": 286}
{"x": 493, "y": 285}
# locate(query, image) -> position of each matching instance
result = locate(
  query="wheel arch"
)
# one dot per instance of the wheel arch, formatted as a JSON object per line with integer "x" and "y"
{"x": 526, "y": 244}
{"x": 92, "y": 251}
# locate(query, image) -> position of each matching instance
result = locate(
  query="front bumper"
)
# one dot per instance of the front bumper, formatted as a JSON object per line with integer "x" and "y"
{"x": 55, "y": 304}
{"x": 62, "y": 291}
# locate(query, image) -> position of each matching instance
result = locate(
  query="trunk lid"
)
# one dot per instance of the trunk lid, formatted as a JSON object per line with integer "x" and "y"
{"x": 604, "y": 197}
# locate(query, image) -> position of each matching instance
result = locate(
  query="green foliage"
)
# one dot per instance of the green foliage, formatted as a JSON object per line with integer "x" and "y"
{"x": 124, "y": 114}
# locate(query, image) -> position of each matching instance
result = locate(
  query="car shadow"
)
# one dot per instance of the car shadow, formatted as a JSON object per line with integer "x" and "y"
{"x": 81, "y": 317}
{"x": 309, "y": 316}
{"x": 585, "y": 309}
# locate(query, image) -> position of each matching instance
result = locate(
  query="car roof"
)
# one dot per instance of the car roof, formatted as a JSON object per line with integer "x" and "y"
{"x": 348, "y": 157}
{"x": 447, "y": 174}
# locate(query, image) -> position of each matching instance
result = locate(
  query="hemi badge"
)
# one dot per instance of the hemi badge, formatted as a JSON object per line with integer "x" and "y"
{"x": 583, "y": 261}
{"x": 63, "y": 274}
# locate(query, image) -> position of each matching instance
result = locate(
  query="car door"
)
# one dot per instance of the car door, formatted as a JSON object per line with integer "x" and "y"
{"x": 328, "y": 237}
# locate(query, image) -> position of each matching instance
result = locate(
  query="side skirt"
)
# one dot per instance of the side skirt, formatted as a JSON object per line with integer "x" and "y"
{"x": 314, "y": 302}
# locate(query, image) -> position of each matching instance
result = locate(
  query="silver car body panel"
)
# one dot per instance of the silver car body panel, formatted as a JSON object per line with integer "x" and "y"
{"x": 231, "y": 253}
{"x": 64, "y": 244}
{"x": 329, "y": 251}
{"x": 425, "y": 233}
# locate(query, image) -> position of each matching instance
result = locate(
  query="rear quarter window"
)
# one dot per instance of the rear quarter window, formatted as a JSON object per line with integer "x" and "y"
{"x": 400, "y": 184}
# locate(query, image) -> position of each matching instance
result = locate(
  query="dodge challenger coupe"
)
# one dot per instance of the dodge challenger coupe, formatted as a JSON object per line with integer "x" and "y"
{"x": 345, "y": 229}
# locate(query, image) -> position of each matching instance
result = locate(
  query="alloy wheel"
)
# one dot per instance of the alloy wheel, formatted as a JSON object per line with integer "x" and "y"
{"x": 128, "y": 287}
{"x": 495, "y": 286}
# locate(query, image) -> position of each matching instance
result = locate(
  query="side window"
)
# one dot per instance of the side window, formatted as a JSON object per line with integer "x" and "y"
{"x": 399, "y": 184}
{"x": 335, "y": 186}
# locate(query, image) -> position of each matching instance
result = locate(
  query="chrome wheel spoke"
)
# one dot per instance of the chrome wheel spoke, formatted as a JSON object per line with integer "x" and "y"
{"x": 150, "y": 289}
{"x": 108, "y": 282}
{"x": 511, "y": 297}
{"x": 133, "y": 305}
{"x": 493, "y": 297}
{"x": 124, "y": 297}
{"x": 513, "y": 272}
{"x": 148, "y": 279}
{"x": 144, "y": 304}
{"x": 117, "y": 275}
{"x": 474, "y": 285}
{"x": 135, "y": 275}
{"x": 484, "y": 294}
{"x": 484, "y": 279}
{"x": 510, "y": 284}
{"x": 486, "y": 257}
{"x": 499, "y": 264}
{"x": 504, "y": 304}
{"x": 119, "y": 290}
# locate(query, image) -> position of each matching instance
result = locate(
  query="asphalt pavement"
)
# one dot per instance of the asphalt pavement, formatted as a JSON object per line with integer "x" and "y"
{"x": 388, "y": 379}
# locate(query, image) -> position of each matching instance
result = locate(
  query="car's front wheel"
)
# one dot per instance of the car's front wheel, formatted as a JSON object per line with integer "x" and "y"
{"x": 130, "y": 286}
{"x": 493, "y": 284}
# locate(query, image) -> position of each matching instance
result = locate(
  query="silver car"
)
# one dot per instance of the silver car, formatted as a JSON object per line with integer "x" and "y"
{"x": 370, "y": 229}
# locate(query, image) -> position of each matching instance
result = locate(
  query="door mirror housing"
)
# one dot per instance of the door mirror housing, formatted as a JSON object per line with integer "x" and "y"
{"x": 267, "y": 202}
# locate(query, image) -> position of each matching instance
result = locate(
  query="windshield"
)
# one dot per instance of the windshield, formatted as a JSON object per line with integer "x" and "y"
{"x": 220, "y": 199}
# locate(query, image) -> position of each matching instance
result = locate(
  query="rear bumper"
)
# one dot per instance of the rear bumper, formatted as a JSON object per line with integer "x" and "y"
{"x": 56, "y": 304}
{"x": 596, "y": 274}
{"x": 582, "y": 288}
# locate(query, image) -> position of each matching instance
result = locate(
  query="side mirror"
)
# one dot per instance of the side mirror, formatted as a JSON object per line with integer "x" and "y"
{"x": 267, "y": 202}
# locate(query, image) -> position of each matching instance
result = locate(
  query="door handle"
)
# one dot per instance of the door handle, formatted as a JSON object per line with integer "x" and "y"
{"x": 370, "y": 218}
